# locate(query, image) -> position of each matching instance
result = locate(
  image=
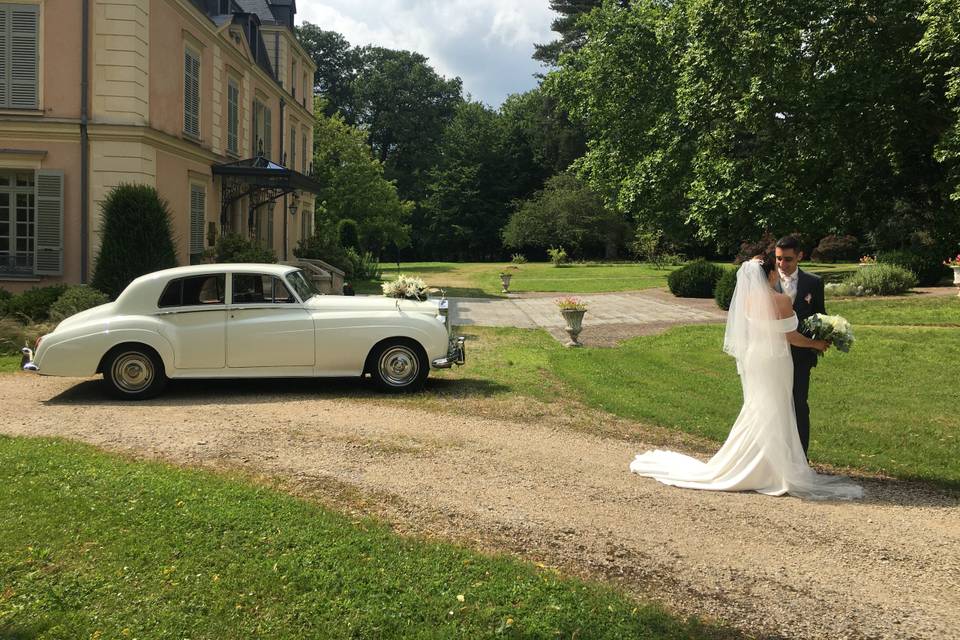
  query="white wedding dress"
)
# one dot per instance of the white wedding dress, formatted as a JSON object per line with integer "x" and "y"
{"x": 763, "y": 451}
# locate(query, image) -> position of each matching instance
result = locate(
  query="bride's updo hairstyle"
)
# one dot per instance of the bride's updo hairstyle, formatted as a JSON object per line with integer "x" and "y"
{"x": 767, "y": 261}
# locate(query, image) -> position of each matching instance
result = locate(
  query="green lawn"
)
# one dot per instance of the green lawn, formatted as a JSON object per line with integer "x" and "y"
{"x": 482, "y": 279}
{"x": 886, "y": 407}
{"x": 9, "y": 364}
{"x": 93, "y": 546}
{"x": 908, "y": 310}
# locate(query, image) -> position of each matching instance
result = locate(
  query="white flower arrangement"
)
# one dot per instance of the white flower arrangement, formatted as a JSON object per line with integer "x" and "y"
{"x": 834, "y": 329}
{"x": 408, "y": 287}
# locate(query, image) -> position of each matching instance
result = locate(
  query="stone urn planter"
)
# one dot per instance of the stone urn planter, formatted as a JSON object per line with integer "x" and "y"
{"x": 574, "y": 319}
{"x": 505, "y": 282}
{"x": 956, "y": 279}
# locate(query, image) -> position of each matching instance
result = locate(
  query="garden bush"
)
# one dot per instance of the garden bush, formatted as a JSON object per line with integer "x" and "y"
{"x": 558, "y": 256}
{"x": 76, "y": 299}
{"x": 33, "y": 305}
{"x": 723, "y": 293}
{"x": 928, "y": 268}
{"x": 321, "y": 246}
{"x": 877, "y": 280}
{"x": 364, "y": 266}
{"x": 696, "y": 280}
{"x": 234, "y": 247}
{"x": 137, "y": 238}
{"x": 4, "y": 297}
{"x": 348, "y": 234}
{"x": 518, "y": 258}
{"x": 837, "y": 249}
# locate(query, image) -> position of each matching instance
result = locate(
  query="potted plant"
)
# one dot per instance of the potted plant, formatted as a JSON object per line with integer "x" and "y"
{"x": 505, "y": 281}
{"x": 572, "y": 310}
{"x": 954, "y": 263}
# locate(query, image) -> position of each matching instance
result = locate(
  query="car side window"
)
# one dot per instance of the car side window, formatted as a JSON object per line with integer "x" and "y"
{"x": 259, "y": 289}
{"x": 194, "y": 291}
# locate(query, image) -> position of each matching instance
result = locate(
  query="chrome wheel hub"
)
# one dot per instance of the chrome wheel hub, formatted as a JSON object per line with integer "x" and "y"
{"x": 132, "y": 372}
{"x": 398, "y": 366}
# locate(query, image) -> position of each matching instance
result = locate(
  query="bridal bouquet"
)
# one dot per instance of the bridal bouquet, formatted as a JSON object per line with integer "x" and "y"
{"x": 834, "y": 329}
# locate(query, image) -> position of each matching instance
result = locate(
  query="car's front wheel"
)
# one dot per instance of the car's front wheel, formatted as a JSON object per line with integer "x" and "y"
{"x": 133, "y": 373}
{"x": 399, "y": 365}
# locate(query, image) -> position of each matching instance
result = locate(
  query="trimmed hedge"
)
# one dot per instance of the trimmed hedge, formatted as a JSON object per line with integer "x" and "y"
{"x": 696, "y": 280}
{"x": 723, "y": 293}
{"x": 76, "y": 299}
{"x": 929, "y": 269}
{"x": 876, "y": 280}
{"x": 234, "y": 247}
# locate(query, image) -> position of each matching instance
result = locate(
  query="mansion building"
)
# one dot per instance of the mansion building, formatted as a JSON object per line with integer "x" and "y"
{"x": 209, "y": 101}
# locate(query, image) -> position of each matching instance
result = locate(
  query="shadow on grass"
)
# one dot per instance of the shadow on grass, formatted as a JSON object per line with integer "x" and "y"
{"x": 246, "y": 391}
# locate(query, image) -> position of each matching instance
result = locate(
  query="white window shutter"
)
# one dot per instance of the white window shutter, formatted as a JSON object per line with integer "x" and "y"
{"x": 4, "y": 57}
{"x": 191, "y": 93}
{"x": 23, "y": 62}
{"x": 48, "y": 248}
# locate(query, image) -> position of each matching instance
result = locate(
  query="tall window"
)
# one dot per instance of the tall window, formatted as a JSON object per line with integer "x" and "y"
{"x": 233, "y": 115}
{"x": 293, "y": 80}
{"x": 262, "y": 129}
{"x": 17, "y": 221}
{"x": 19, "y": 56}
{"x": 306, "y": 90}
{"x": 303, "y": 154}
{"x": 293, "y": 148}
{"x": 191, "y": 93}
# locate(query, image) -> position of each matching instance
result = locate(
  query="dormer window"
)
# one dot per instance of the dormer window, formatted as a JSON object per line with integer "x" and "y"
{"x": 253, "y": 39}
{"x": 225, "y": 7}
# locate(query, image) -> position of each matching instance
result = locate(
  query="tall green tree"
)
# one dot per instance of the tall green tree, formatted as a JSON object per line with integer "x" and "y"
{"x": 354, "y": 187}
{"x": 469, "y": 189}
{"x": 572, "y": 32}
{"x": 941, "y": 49}
{"x": 567, "y": 213}
{"x": 404, "y": 106}
{"x": 337, "y": 64}
{"x": 717, "y": 119}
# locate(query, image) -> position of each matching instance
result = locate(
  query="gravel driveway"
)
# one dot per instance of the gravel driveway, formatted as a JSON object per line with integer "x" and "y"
{"x": 887, "y": 567}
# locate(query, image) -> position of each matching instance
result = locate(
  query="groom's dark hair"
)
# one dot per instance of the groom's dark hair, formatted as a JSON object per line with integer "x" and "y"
{"x": 789, "y": 242}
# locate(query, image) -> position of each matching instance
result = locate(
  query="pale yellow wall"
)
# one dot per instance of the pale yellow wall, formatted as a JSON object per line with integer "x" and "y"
{"x": 121, "y": 61}
{"x": 174, "y": 176}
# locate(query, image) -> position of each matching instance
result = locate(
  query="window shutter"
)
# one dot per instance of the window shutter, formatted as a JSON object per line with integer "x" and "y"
{"x": 191, "y": 93}
{"x": 198, "y": 208}
{"x": 267, "y": 134}
{"x": 48, "y": 254}
{"x": 4, "y": 57}
{"x": 233, "y": 116}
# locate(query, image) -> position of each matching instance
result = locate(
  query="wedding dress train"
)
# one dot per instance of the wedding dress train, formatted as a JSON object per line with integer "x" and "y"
{"x": 763, "y": 451}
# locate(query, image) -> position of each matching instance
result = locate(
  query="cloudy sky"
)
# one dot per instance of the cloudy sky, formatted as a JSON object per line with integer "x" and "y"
{"x": 487, "y": 43}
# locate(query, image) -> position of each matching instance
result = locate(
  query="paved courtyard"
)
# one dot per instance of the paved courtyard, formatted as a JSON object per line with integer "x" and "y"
{"x": 610, "y": 318}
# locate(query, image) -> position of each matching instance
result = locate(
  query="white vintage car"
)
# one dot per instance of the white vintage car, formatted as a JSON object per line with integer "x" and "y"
{"x": 244, "y": 321}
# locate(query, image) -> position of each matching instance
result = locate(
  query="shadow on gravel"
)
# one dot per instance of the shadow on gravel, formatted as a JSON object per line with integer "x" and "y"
{"x": 247, "y": 391}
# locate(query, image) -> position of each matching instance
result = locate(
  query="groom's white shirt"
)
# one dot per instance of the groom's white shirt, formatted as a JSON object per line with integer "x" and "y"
{"x": 788, "y": 283}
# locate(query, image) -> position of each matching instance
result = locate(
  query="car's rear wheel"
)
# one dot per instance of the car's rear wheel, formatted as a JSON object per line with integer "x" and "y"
{"x": 134, "y": 373}
{"x": 399, "y": 365}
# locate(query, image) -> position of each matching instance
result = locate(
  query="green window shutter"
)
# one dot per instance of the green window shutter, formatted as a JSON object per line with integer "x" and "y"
{"x": 198, "y": 208}
{"x": 191, "y": 93}
{"x": 23, "y": 61}
{"x": 270, "y": 226}
{"x": 4, "y": 57}
{"x": 293, "y": 149}
{"x": 48, "y": 254}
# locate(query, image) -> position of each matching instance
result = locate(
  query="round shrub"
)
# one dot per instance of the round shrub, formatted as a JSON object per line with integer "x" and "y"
{"x": 4, "y": 297}
{"x": 837, "y": 249}
{"x": 696, "y": 280}
{"x": 323, "y": 246}
{"x": 751, "y": 248}
{"x": 33, "y": 305}
{"x": 137, "y": 238}
{"x": 76, "y": 299}
{"x": 233, "y": 247}
{"x": 929, "y": 269}
{"x": 878, "y": 280}
{"x": 349, "y": 234}
{"x": 723, "y": 293}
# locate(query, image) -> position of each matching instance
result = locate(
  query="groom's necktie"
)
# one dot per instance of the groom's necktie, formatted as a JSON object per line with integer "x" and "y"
{"x": 788, "y": 284}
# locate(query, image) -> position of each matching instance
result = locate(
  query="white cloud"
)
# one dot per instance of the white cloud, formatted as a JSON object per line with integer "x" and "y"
{"x": 487, "y": 43}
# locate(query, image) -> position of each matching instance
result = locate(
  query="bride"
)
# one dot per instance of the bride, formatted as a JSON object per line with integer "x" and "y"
{"x": 763, "y": 451}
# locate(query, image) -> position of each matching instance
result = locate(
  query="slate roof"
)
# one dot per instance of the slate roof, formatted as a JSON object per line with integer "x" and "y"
{"x": 258, "y": 7}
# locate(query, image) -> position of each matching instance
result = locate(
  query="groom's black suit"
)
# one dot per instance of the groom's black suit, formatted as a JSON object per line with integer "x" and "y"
{"x": 809, "y": 301}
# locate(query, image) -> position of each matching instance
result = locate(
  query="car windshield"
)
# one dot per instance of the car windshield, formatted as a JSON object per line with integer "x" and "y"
{"x": 302, "y": 285}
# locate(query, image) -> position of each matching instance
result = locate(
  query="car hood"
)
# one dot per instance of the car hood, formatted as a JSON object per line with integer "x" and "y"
{"x": 371, "y": 303}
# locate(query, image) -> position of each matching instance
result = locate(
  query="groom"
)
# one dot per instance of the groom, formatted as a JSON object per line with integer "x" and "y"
{"x": 806, "y": 290}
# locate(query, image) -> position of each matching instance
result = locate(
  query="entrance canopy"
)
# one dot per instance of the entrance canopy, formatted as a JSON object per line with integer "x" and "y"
{"x": 259, "y": 179}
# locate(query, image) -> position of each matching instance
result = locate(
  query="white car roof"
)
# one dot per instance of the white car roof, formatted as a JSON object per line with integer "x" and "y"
{"x": 143, "y": 292}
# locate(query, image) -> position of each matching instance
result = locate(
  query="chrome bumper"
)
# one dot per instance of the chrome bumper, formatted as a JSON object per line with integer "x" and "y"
{"x": 457, "y": 354}
{"x": 26, "y": 360}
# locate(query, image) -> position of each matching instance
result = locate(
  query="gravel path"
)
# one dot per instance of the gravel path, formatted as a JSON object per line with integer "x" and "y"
{"x": 887, "y": 567}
